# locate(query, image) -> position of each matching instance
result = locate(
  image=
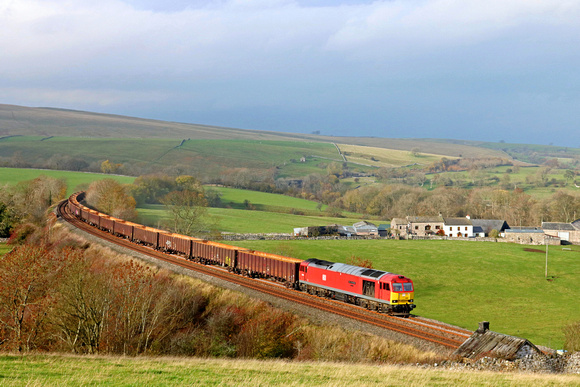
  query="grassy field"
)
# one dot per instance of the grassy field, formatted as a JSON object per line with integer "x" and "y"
{"x": 242, "y": 221}
{"x": 381, "y": 157}
{"x": 35, "y": 370}
{"x": 208, "y": 157}
{"x": 4, "y": 248}
{"x": 73, "y": 179}
{"x": 466, "y": 282}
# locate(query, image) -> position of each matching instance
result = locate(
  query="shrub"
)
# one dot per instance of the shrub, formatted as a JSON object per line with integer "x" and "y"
{"x": 572, "y": 337}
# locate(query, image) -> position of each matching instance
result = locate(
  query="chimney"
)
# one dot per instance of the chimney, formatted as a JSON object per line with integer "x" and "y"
{"x": 483, "y": 327}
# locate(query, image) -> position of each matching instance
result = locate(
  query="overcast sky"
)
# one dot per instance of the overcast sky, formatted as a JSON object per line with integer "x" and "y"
{"x": 465, "y": 69}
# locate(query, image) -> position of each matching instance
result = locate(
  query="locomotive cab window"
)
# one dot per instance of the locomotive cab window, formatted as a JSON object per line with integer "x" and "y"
{"x": 397, "y": 287}
{"x": 408, "y": 287}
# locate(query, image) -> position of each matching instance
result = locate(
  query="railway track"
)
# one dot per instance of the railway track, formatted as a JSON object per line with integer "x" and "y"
{"x": 422, "y": 329}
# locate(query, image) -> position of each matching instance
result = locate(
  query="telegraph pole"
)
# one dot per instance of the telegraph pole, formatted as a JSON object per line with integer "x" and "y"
{"x": 546, "y": 241}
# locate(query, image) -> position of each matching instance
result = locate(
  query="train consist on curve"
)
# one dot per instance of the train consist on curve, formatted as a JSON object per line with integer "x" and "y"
{"x": 373, "y": 289}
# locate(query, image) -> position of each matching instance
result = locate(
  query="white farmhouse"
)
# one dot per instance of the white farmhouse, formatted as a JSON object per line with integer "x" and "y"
{"x": 458, "y": 227}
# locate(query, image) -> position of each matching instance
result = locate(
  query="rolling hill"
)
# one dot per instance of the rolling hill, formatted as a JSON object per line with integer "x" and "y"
{"x": 47, "y": 122}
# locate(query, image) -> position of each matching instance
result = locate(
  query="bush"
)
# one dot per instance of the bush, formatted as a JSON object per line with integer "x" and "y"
{"x": 572, "y": 337}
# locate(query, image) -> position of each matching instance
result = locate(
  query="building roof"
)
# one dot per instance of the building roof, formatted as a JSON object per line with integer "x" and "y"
{"x": 486, "y": 225}
{"x": 488, "y": 343}
{"x": 558, "y": 226}
{"x": 425, "y": 219}
{"x": 364, "y": 224}
{"x": 525, "y": 229}
{"x": 457, "y": 221}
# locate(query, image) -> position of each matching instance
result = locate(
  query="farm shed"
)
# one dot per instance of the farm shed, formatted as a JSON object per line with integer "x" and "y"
{"x": 346, "y": 231}
{"x": 366, "y": 228}
{"x": 484, "y": 342}
{"x": 567, "y": 232}
{"x": 482, "y": 227}
{"x": 529, "y": 236}
{"x": 384, "y": 229}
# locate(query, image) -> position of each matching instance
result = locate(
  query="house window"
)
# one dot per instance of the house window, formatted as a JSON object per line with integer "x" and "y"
{"x": 465, "y": 228}
{"x": 437, "y": 227}
{"x": 450, "y": 228}
{"x": 427, "y": 227}
{"x": 416, "y": 227}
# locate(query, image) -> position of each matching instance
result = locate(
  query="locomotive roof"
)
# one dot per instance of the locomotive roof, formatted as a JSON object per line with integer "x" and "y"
{"x": 347, "y": 269}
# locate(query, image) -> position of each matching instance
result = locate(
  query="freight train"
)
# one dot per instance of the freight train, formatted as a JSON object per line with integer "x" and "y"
{"x": 372, "y": 289}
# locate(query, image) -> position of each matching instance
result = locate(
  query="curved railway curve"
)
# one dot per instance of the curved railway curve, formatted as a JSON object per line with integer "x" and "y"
{"x": 436, "y": 333}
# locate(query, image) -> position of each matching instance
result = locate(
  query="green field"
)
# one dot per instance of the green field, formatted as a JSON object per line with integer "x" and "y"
{"x": 206, "y": 157}
{"x": 245, "y": 221}
{"x": 4, "y": 248}
{"x": 463, "y": 283}
{"x": 73, "y": 179}
{"x": 62, "y": 370}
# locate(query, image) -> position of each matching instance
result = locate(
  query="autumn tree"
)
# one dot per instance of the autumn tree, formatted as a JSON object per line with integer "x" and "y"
{"x": 111, "y": 197}
{"x": 151, "y": 189}
{"x": 29, "y": 200}
{"x": 109, "y": 167}
{"x": 187, "y": 206}
{"x": 28, "y": 277}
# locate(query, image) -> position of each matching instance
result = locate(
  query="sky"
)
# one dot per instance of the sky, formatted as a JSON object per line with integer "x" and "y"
{"x": 486, "y": 70}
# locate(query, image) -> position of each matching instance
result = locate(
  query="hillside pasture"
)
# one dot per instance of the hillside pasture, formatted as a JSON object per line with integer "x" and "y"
{"x": 382, "y": 157}
{"x": 463, "y": 283}
{"x": 205, "y": 158}
{"x": 74, "y": 180}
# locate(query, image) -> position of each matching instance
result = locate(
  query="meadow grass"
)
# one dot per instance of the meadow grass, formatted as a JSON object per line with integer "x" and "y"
{"x": 463, "y": 283}
{"x": 234, "y": 198}
{"x": 74, "y": 180}
{"x": 41, "y": 370}
{"x": 4, "y": 248}
{"x": 381, "y": 157}
{"x": 206, "y": 156}
{"x": 244, "y": 221}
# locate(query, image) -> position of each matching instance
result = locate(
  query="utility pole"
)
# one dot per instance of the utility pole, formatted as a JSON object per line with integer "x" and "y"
{"x": 546, "y": 241}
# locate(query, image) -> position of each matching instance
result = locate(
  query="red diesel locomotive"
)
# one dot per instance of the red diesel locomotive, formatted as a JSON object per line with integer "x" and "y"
{"x": 369, "y": 288}
{"x": 372, "y": 289}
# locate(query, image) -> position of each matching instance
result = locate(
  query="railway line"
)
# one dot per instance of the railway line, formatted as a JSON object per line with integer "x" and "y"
{"x": 436, "y": 333}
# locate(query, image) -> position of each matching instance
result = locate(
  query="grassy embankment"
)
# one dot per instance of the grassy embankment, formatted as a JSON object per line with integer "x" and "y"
{"x": 466, "y": 282}
{"x": 122, "y": 371}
